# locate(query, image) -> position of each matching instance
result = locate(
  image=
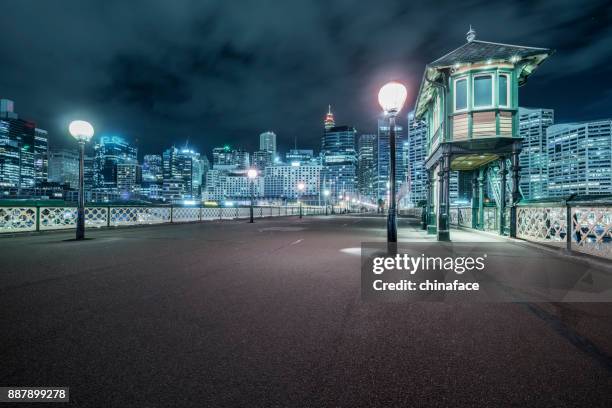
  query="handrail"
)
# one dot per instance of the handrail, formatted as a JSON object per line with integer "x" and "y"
{"x": 581, "y": 224}
{"x": 41, "y": 217}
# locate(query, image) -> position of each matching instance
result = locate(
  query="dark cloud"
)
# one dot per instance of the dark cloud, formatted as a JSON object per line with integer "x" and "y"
{"x": 162, "y": 72}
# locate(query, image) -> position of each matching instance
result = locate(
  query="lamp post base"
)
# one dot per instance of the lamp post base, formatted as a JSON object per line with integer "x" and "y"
{"x": 443, "y": 236}
{"x": 391, "y": 227}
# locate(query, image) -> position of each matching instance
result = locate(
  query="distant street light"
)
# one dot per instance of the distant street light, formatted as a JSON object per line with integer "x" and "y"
{"x": 82, "y": 131}
{"x": 300, "y": 187}
{"x": 252, "y": 174}
{"x": 326, "y": 194}
{"x": 391, "y": 98}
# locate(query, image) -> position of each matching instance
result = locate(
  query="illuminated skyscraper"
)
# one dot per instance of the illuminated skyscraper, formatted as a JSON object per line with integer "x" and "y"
{"x": 339, "y": 160}
{"x": 64, "y": 167}
{"x": 41, "y": 161}
{"x": 17, "y": 151}
{"x": 241, "y": 159}
{"x": 129, "y": 177}
{"x": 267, "y": 142}
{"x": 302, "y": 156}
{"x": 152, "y": 168}
{"x": 262, "y": 159}
{"x": 366, "y": 165}
{"x": 280, "y": 182}
{"x": 417, "y": 175}
{"x": 533, "y": 159}
{"x": 110, "y": 151}
{"x": 226, "y": 158}
{"x": 329, "y": 121}
{"x": 183, "y": 174}
{"x": 222, "y": 156}
{"x": 580, "y": 158}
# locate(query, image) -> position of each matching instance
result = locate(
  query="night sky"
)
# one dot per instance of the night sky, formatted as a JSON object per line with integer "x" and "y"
{"x": 162, "y": 72}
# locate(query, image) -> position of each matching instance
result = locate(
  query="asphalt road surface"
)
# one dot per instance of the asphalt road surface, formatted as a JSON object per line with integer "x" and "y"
{"x": 231, "y": 314}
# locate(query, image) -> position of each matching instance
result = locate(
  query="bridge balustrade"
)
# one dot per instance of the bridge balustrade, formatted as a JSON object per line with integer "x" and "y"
{"x": 546, "y": 221}
{"x": 44, "y": 217}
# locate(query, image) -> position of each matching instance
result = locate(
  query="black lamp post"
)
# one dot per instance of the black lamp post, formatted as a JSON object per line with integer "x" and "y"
{"x": 252, "y": 174}
{"x": 391, "y": 98}
{"x": 300, "y": 188}
{"x": 326, "y": 195}
{"x": 82, "y": 131}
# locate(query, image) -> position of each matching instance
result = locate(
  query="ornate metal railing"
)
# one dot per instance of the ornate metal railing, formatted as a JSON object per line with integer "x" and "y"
{"x": 464, "y": 216}
{"x": 44, "y": 217}
{"x": 461, "y": 216}
{"x": 491, "y": 220}
{"x": 589, "y": 222}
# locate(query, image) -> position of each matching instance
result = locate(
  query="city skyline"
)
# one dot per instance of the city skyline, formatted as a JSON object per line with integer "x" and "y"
{"x": 306, "y": 203}
{"x": 151, "y": 96}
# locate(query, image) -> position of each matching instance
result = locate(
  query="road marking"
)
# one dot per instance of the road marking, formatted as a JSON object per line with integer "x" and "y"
{"x": 296, "y": 242}
{"x": 282, "y": 229}
{"x": 351, "y": 251}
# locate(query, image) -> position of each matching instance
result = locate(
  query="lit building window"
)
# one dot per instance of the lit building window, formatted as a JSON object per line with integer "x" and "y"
{"x": 483, "y": 91}
{"x": 461, "y": 94}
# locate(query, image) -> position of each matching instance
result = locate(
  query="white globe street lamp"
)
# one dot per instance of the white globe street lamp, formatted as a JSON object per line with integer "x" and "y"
{"x": 83, "y": 132}
{"x": 252, "y": 175}
{"x": 326, "y": 194}
{"x": 391, "y": 98}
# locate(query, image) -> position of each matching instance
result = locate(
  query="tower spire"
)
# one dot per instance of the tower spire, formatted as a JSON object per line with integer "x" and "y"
{"x": 471, "y": 35}
{"x": 329, "y": 119}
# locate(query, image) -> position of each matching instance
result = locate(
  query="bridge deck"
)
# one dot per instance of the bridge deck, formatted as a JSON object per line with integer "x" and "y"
{"x": 233, "y": 314}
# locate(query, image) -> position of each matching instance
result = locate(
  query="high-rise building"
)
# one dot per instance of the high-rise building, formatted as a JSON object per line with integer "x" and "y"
{"x": 152, "y": 176}
{"x": 366, "y": 165}
{"x": 222, "y": 185}
{"x": 41, "y": 160}
{"x": 339, "y": 160}
{"x": 267, "y": 142}
{"x": 64, "y": 171}
{"x": 153, "y": 169}
{"x": 226, "y": 158}
{"x": 241, "y": 159}
{"x": 110, "y": 151}
{"x": 129, "y": 177}
{"x": 262, "y": 159}
{"x": 281, "y": 182}
{"x": 301, "y": 156}
{"x": 534, "y": 156}
{"x": 205, "y": 167}
{"x": 17, "y": 151}
{"x": 183, "y": 172}
{"x": 7, "y": 109}
{"x": 382, "y": 154}
{"x": 417, "y": 148}
{"x": 580, "y": 158}
{"x": 64, "y": 167}
{"x": 222, "y": 156}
